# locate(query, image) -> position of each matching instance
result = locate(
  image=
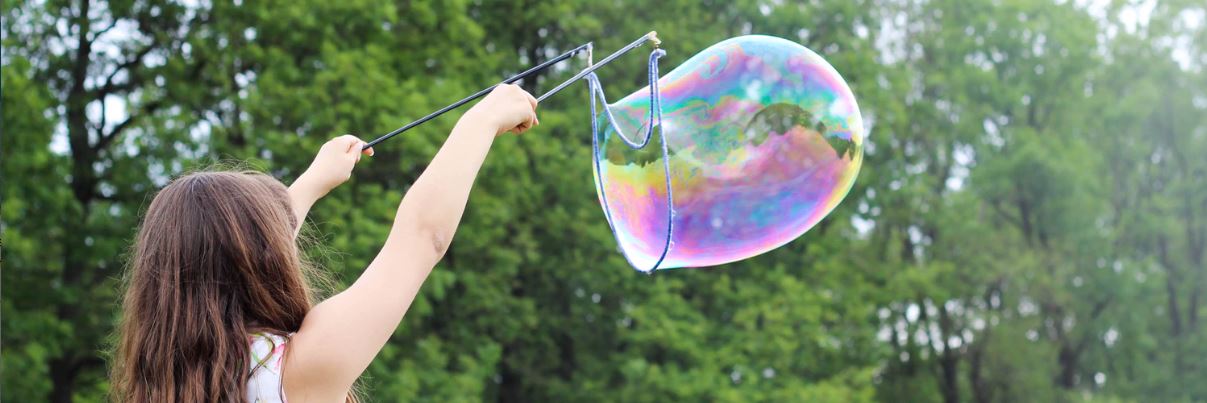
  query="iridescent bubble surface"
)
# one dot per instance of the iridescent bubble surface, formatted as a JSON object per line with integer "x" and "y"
{"x": 764, "y": 140}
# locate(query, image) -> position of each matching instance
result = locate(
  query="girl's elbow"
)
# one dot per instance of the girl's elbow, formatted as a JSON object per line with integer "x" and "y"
{"x": 431, "y": 238}
{"x": 423, "y": 233}
{"x": 439, "y": 241}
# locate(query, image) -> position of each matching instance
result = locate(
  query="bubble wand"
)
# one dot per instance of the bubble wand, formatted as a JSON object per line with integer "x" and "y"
{"x": 650, "y": 37}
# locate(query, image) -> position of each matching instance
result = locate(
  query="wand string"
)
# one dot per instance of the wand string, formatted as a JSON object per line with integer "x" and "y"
{"x": 599, "y": 136}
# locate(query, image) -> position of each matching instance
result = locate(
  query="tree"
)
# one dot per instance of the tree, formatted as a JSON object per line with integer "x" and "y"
{"x": 1028, "y": 225}
{"x": 92, "y": 58}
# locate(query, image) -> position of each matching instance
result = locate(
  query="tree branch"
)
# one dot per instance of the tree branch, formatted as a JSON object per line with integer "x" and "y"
{"x": 1095, "y": 312}
{"x": 130, "y": 67}
{"x": 105, "y": 30}
{"x": 147, "y": 109}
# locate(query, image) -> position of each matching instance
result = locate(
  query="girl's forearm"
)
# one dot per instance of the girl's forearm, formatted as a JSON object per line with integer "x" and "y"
{"x": 331, "y": 167}
{"x": 433, "y": 206}
{"x": 301, "y": 198}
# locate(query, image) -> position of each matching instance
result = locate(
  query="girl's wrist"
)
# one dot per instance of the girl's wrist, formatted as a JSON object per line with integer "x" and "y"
{"x": 305, "y": 187}
{"x": 482, "y": 120}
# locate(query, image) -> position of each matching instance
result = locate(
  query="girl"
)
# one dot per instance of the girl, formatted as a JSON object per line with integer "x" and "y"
{"x": 218, "y": 309}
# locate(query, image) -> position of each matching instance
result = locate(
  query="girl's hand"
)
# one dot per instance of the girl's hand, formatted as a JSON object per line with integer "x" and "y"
{"x": 331, "y": 167}
{"x": 508, "y": 109}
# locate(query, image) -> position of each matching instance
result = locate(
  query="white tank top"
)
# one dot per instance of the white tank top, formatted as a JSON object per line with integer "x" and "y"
{"x": 267, "y": 357}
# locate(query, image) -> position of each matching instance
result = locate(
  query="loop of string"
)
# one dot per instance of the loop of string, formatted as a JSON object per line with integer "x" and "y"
{"x": 654, "y": 119}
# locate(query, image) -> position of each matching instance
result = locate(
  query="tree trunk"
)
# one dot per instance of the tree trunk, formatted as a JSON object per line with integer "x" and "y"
{"x": 1171, "y": 287}
{"x": 62, "y": 380}
{"x": 976, "y": 377}
{"x": 1068, "y": 357}
{"x": 950, "y": 364}
{"x": 63, "y": 369}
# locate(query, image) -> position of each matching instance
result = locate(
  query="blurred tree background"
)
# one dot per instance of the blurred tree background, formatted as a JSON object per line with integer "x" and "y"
{"x": 1030, "y": 223}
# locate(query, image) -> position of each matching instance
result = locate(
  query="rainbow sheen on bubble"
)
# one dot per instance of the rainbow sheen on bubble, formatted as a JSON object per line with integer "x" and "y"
{"x": 764, "y": 140}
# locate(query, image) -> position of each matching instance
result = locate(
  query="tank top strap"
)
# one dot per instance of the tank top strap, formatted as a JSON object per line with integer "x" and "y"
{"x": 267, "y": 359}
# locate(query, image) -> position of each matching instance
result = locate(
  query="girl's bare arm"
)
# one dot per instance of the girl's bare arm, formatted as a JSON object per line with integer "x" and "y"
{"x": 341, "y": 335}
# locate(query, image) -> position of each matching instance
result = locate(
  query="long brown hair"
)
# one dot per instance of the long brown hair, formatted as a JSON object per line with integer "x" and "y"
{"x": 215, "y": 260}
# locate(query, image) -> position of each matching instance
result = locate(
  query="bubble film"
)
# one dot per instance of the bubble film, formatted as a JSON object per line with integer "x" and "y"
{"x": 764, "y": 140}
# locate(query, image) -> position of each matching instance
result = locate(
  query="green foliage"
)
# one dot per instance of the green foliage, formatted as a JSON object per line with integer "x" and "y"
{"x": 1030, "y": 223}
{"x": 31, "y": 200}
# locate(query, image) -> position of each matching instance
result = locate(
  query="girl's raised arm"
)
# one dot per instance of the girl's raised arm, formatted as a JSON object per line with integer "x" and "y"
{"x": 331, "y": 167}
{"x": 340, "y": 336}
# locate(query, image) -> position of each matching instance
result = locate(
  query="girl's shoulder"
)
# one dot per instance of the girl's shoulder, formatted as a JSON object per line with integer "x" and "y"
{"x": 267, "y": 359}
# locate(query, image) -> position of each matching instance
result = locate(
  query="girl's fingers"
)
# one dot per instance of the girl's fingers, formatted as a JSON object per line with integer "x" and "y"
{"x": 527, "y": 124}
{"x": 520, "y": 128}
{"x": 360, "y": 146}
{"x": 351, "y": 143}
{"x": 531, "y": 100}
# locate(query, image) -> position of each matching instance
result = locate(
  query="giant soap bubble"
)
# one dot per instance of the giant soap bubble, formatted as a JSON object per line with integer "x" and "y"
{"x": 764, "y": 139}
